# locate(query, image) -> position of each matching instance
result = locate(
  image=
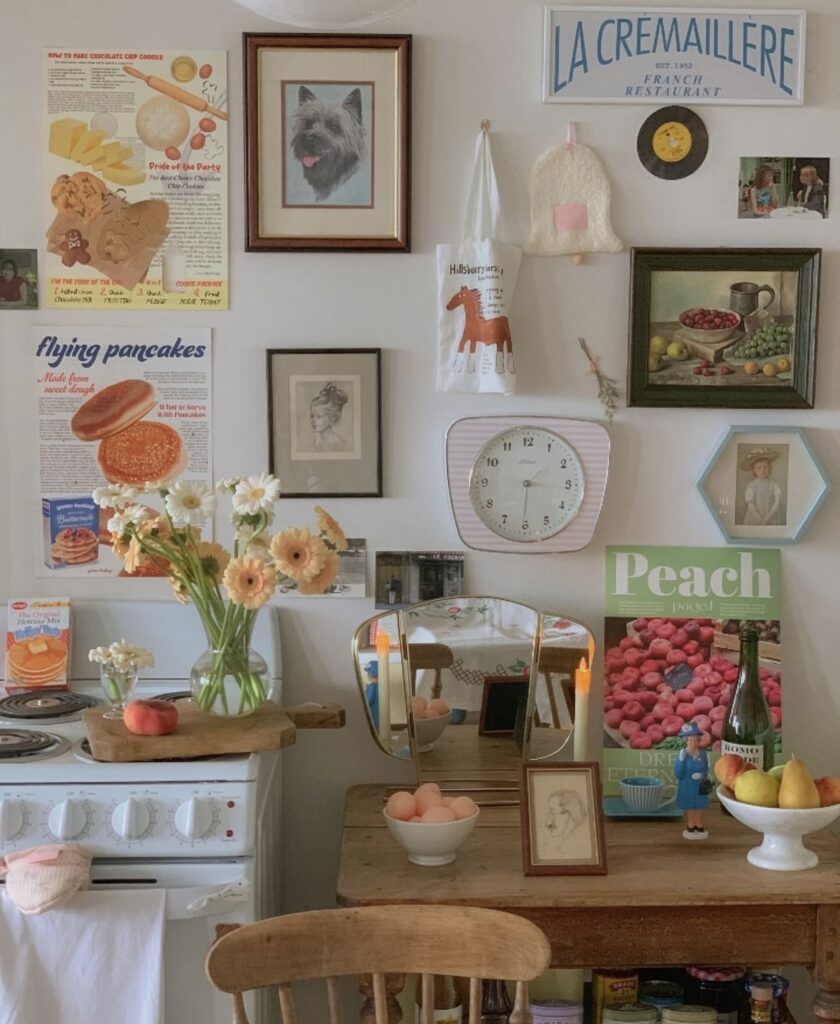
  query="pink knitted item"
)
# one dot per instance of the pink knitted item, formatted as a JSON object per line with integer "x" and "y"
{"x": 45, "y": 876}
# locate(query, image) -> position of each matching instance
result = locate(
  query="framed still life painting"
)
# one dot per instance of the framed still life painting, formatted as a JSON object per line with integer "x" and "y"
{"x": 730, "y": 328}
{"x": 324, "y": 421}
{"x": 328, "y": 142}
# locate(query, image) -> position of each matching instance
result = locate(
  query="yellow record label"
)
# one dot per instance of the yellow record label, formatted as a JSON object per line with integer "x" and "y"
{"x": 672, "y": 142}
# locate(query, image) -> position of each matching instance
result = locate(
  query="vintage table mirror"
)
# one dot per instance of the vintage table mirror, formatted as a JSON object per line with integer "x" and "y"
{"x": 505, "y": 672}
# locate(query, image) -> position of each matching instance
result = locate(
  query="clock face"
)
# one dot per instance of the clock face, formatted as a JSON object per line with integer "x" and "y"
{"x": 526, "y": 484}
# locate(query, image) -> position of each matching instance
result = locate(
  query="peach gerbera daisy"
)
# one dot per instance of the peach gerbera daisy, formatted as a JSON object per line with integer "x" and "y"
{"x": 298, "y": 553}
{"x": 325, "y": 578}
{"x": 249, "y": 582}
{"x": 134, "y": 557}
{"x": 179, "y": 590}
{"x": 330, "y": 529}
{"x": 214, "y": 559}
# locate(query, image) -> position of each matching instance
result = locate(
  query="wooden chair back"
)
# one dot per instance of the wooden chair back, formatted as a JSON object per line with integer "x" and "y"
{"x": 429, "y": 656}
{"x": 564, "y": 661}
{"x": 465, "y": 942}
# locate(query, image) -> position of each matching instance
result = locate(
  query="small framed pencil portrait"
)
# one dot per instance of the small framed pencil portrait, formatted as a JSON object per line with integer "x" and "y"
{"x": 328, "y": 133}
{"x": 562, "y": 819}
{"x": 324, "y": 421}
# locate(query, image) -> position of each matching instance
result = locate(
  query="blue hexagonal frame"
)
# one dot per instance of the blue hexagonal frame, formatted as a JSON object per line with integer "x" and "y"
{"x": 816, "y": 499}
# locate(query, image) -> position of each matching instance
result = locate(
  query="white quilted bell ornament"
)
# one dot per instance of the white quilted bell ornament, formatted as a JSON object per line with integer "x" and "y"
{"x": 570, "y": 203}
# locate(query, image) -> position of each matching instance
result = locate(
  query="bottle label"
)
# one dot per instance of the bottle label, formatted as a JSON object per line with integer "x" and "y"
{"x": 453, "y": 1015}
{"x": 749, "y": 751}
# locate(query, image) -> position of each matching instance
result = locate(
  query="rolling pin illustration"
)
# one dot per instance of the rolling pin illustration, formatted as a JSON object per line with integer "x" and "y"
{"x": 175, "y": 92}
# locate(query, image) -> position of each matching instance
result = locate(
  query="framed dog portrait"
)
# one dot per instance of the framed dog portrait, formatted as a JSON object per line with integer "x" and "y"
{"x": 328, "y": 142}
{"x": 324, "y": 421}
{"x": 729, "y": 328}
{"x": 562, "y": 819}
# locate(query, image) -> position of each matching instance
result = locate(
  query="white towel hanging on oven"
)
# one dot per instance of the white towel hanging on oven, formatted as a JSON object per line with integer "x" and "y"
{"x": 98, "y": 958}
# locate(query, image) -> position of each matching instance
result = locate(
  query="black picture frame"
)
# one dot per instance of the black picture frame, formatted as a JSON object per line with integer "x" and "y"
{"x": 731, "y": 390}
{"x": 343, "y": 467}
{"x": 500, "y": 702}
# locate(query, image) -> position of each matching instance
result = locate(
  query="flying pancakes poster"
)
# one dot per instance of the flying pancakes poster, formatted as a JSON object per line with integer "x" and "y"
{"x": 126, "y": 406}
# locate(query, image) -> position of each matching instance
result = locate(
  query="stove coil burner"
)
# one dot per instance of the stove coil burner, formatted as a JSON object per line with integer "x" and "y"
{"x": 51, "y": 704}
{"x": 175, "y": 696}
{"x": 22, "y": 744}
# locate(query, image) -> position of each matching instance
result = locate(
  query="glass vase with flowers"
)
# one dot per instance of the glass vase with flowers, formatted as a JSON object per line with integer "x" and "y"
{"x": 227, "y": 588}
{"x": 119, "y": 666}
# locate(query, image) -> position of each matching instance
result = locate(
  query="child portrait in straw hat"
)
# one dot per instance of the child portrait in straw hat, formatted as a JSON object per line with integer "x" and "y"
{"x": 762, "y": 485}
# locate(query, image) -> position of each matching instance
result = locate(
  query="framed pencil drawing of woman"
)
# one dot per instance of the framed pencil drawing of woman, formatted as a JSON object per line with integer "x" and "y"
{"x": 324, "y": 421}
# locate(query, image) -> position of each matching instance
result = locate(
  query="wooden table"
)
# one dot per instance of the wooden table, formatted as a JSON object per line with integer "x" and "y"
{"x": 663, "y": 902}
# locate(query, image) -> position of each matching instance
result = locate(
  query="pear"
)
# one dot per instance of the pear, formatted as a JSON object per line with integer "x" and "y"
{"x": 758, "y": 788}
{"x": 797, "y": 789}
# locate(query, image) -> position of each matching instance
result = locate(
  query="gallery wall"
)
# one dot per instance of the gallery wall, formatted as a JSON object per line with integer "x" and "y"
{"x": 473, "y": 59}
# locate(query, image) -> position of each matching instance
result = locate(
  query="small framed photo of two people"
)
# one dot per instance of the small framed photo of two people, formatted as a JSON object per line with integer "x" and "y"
{"x": 328, "y": 142}
{"x": 562, "y": 819}
{"x": 324, "y": 421}
{"x": 729, "y": 328}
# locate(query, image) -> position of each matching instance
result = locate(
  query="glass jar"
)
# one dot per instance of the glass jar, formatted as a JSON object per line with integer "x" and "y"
{"x": 687, "y": 1013}
{"x": 633, "y": 1013}
{"x": 661, "y": 993}
{"x": 612, "y": 988}
{"x": 556, "y": 1011}
{"x": 719, "y": 987}
{"x": 779, "y": 986}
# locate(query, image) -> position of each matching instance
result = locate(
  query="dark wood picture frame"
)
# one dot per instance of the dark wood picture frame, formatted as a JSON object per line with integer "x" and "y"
{"x": 500, "y": 699}
{"x": 642, "y": 391}
{"x": 258, "y": 241}
{"x": 593, "y": 819}
{"x": 273, "y": 453}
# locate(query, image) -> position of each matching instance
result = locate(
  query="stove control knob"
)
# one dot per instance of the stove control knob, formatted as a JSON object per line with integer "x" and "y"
{"x": 67, "y": 820}
{"x": 130, "y": 819}
{"x": 194, "y": 819}
{"x": 11, "y": 819}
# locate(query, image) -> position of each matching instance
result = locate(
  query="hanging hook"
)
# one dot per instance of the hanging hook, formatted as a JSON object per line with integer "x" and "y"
{"x": 570, "y": 134}
{"x": 485, "y": 125}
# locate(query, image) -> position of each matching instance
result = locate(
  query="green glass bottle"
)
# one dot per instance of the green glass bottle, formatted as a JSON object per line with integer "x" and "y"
{"x": 748, "y": 728}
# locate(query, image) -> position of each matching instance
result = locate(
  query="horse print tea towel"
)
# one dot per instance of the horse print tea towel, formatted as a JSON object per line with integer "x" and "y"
{"x": 476, "y": 280}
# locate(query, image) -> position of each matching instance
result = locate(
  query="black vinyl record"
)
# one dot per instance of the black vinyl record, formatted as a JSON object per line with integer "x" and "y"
{"x": 672, "y": 143}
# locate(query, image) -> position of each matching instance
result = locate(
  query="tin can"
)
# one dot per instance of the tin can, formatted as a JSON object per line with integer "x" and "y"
{"x": 612, "y": 988}
{"x": 660, "y": 993}
{"x": 556, "y": 1011}
{"x": 689, "y": 1014}
{"x": 632, "y": 1013}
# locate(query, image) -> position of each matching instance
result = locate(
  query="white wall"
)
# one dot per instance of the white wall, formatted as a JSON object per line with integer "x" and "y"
{"x": 472, "y": 59}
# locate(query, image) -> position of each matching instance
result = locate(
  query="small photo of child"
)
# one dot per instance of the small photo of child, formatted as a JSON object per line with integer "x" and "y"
{"x": 762, "y": 485}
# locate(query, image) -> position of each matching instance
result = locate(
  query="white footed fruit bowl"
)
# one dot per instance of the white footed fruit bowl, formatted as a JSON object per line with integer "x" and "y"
{"x": 428, "y": 730}
{"x": 431, "y": 844}
{"x": 783, "y": 828}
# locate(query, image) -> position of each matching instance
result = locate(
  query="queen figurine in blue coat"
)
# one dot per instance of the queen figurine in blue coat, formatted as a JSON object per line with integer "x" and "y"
{"x": 691, "y": 770}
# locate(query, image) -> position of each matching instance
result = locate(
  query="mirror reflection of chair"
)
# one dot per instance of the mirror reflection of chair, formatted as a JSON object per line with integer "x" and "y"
{"x": 376, "y": 944}
{"x": 434, "y": 657}
{"x": 559, "y": 661}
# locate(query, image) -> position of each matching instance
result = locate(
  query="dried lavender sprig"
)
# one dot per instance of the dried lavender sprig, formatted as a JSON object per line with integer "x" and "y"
{"x": 608, "y": 389}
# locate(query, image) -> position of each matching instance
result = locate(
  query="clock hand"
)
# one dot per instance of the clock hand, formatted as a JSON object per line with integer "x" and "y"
{"x": 526, "y": 484}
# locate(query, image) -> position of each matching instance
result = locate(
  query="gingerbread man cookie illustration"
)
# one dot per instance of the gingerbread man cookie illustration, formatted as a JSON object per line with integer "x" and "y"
{"x": 74, "y": 248}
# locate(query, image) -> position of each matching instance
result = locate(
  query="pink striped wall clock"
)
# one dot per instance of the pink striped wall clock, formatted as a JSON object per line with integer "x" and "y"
{"x": 530, "y": 484}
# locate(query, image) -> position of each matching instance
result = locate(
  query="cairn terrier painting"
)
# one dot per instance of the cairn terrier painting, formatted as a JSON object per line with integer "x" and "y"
{"x": 327, "y": 129}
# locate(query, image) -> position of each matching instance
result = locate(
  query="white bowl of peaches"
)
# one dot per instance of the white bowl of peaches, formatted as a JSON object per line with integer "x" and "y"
{"x": 430, "y": 827}
{"x": 431, "y": 717}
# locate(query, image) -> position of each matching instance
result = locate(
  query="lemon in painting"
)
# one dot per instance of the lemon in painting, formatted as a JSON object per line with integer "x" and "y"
{"x": 770, "y": 369}
{"x": 659, "y": 344}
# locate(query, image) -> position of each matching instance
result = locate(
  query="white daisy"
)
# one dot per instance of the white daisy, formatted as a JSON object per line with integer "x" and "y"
{"x": 227, "y": 485}
{"x": 131, "y": 516}
{"x": 190, "y": 503}
{"x": 124, "y": 655}
{"x": 155, "y": 487}
{"x": 258, "y": 549}
{"x": 114, "y": 496}
{"x": 255, "y": 493}
{"x": 247, "y": 528}
{"x": 99, "y": 654}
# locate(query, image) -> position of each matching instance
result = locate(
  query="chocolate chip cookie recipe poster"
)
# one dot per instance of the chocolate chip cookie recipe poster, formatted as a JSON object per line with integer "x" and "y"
{"x": 136, "y": 183}
{"x": 120, "y": 406}
{"x": 671, "y": 650}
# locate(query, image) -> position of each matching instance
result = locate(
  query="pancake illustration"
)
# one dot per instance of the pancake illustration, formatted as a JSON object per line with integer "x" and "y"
{"x": 75, "y": 546}
{"x": 113, "y": 409}
{"x": 146, "y": 450}
{"x": 36, "y": 660}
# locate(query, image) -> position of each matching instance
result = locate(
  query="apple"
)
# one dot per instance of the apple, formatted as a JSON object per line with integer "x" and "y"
{"x": 151, "y": 717}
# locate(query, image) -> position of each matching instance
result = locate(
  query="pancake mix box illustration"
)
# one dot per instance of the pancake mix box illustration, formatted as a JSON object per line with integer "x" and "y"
{"x": 127, "y": 407}
{"x": 671, "y": 649}
{"x": 37, "y": 643}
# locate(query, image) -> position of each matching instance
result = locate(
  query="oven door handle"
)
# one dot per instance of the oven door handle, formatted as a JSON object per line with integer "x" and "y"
{"x": 206, "y": 901}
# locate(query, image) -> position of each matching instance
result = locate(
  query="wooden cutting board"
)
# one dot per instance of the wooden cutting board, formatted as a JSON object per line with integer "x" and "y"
{"x": 199, "y": 734}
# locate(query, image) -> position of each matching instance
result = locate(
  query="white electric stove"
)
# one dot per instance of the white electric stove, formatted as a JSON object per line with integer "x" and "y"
{"x": 206, "y": 829}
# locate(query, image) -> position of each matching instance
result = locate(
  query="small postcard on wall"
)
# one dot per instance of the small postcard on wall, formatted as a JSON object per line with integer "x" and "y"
{"x": 783, "y": 188}
{"x": 18, "y": 279}
{"x": 405, "y": 577}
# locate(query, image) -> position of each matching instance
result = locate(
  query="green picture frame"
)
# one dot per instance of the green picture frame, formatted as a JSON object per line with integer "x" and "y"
{"x": 723, "y": 328}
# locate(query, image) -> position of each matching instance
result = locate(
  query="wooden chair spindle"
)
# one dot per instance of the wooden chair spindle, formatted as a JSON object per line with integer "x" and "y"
{"x": 428, "y": 996}
{"x": 475, "y": 1000}
{"x": 334, "y": 1001}
{"x": 521, "y": 1013}
{"x": 287, "y": 1003}
{"x": 380, "y": 999}
{"x": 239, "y": 1014}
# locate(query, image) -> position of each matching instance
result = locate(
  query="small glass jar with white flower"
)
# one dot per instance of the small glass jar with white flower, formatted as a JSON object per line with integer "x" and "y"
{"x": 227, "y": 589}
{"x": 119, "y": 666}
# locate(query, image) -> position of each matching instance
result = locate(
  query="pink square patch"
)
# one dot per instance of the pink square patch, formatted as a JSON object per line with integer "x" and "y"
{"x": 571, "y": 217}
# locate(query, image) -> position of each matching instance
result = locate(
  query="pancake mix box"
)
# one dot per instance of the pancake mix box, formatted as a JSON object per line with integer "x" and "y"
{"x": 71, "y": 531}
{"x": 37, "y": 643}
